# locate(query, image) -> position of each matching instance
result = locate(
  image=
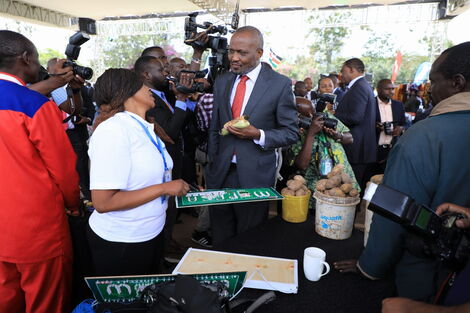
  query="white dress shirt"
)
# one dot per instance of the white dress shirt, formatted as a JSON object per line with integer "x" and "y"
{"x": 386, "y": 115}
{"x": 250, "y": 84}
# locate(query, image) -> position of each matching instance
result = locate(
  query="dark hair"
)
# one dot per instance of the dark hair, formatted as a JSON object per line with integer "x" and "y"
{"x": 255, "y": 31}
{"x": 325, "y": 77}
{"x": 148, "y": 50}
{"x": 12, "y": 45}
{"x": 456, "y": 60}
{"x": 114, "y": 87}
{"x": 299, "y": 83}
{"x": 382, "y": 82}
{"x": 356, "y": 64}
{"x": 141, "y": 63}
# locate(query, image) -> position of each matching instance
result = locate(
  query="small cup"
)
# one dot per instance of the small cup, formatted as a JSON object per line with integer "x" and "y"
{"x": 314, "y": 260}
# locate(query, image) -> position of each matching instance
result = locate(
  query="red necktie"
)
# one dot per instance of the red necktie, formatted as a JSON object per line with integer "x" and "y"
{"x": 239, "y": 97}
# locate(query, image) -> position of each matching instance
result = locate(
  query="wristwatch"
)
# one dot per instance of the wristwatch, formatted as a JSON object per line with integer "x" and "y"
{"x": 340, "y": 138}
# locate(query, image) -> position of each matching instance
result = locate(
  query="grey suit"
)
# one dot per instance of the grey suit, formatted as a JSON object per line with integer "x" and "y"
{"x": 271, "y": 108}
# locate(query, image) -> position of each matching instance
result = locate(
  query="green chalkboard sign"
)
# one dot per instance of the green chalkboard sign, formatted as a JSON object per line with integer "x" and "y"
{"x": 225, "y": 196}
{"x": 128, "y": 288}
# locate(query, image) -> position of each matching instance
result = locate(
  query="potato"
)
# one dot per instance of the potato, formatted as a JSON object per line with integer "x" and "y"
{"x": 336, "y": 192}
{"x": 300, "y": 178}
{"x": 300, "y": 192}
{"x": 336, "y": 180}
{"x": 330, "y": 174}
{"x": 287, "y": 192}
{"x": 304, "y": 187}
{"x": 345, "y": 178}
{"x": 346, "y": 188}
{"x": 321, "y": 184}
{"x": 294, "y": 185}
{"x": 330, "y": 183}
{"x": 338, "y": 169}
{"x": 353, "y": 192}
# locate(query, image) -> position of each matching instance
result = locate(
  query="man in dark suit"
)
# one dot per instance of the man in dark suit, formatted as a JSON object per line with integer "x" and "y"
{"x": 246, "y": 157}
{"x": 388, "y": 110}
{"x": 357, "y": 110}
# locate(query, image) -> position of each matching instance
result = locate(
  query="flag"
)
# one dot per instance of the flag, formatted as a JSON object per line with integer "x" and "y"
{"x": 396, "y": 66}
{"x": 274, "y": 59}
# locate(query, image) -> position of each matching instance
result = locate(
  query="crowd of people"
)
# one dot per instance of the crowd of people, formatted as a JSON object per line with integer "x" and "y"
{"x": 149, "y": 134}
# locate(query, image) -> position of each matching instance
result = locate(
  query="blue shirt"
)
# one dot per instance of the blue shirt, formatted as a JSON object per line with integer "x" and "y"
{"x": 179, "y": 104}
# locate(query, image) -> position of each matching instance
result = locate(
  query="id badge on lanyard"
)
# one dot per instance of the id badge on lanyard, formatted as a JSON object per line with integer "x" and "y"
{"x": 159, "y": 146}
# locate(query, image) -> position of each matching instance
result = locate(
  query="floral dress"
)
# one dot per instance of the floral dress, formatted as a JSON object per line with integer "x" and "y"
{"x": 320, "y": 149}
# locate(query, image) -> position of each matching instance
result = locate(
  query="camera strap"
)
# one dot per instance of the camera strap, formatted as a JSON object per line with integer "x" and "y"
{"x": 159, "y": 145}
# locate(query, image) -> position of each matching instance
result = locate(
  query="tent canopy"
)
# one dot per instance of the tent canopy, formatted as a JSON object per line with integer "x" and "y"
{"x": 60, "y": 12}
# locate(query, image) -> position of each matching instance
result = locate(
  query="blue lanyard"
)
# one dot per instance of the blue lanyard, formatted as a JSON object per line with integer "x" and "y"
{"x": 156, "y": 144}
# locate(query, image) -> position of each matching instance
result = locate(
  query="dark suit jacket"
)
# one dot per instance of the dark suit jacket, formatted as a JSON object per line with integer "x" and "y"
{"x": 339, "y": 92}
{"x": 271, "y": 108}
{"x": 172, "y": 124}
{"x": 357, "y": 110}
{"x": 398, "y": 113}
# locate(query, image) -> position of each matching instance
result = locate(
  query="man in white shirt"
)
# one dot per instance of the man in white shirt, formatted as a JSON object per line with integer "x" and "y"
{"x": 390, "y": 122}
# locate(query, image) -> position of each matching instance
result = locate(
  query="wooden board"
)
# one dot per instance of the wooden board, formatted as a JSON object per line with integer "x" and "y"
{"x": 281, "y": 274}
{"x": 225, "y": 196}
{"x": 128, "y": 288}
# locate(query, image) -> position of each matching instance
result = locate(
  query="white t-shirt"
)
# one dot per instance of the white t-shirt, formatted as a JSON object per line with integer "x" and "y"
{"x": 123, "y": 157}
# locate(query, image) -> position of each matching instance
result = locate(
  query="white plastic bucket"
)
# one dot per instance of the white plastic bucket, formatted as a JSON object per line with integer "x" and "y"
{"x": 334, "y": 216}
{"x": 376, "y": 179}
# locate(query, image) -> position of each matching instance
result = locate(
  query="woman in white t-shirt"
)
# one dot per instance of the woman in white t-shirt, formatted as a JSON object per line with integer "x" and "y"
{"x": 130, "y": 180}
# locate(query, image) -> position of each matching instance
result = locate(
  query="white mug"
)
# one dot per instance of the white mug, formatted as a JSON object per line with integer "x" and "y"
{"x": 314, "y": 260}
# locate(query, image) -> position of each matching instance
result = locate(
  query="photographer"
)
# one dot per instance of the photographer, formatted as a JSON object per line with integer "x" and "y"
{"x": 390, "y": 122}
{"x": 325, "y": 86}
{"x": 458, "y": 294}
{"x": 79, "y": 115}
{"x": 319, "y": 147}
{"x": 429, "y": 165}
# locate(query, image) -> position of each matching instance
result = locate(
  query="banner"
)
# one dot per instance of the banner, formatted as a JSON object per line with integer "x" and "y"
{"x": 274, "y": 59}
{"x": 396, "y": 66}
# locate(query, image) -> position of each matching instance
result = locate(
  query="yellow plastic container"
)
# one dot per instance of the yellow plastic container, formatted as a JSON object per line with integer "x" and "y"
{"x": 295, "y": 208}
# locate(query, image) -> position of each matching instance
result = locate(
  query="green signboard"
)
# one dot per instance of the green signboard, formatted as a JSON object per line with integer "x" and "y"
{"x": 128, "y": 288}
{"x": 225, "y": 196}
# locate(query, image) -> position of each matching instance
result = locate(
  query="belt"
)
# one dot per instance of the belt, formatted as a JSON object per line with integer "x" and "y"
{"x": 385, "y": 146}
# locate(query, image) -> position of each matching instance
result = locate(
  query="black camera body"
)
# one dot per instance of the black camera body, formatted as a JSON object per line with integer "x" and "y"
{"x": 72, "y": 52}
{"x": 322, "y": 98}
{"x": 305, "y": 121}
{"x": 438, "y": 235}
{"x": 196, "y": 87}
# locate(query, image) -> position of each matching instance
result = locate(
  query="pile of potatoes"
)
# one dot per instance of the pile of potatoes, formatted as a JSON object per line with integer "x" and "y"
{"x": 338, "y": 184}
{"x": 295, "y": 187}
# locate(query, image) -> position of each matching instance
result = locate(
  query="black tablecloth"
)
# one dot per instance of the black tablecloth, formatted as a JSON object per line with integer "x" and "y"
{"x": 334, "y": 293}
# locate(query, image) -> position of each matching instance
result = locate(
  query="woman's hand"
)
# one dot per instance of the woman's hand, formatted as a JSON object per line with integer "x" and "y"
{"x": 176, "y": 188}
{"x": 332, "y": 133}
{"x": 316, "y": 126}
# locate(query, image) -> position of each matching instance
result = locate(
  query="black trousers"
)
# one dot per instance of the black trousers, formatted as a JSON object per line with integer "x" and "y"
{"x": 229, "y": 220}
{"x": 121, "y": 258}
{"x": 80, "y": 147}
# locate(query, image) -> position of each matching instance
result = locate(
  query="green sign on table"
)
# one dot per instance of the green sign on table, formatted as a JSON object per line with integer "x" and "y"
{"x": 128, "y": 288}
{"x": 225, "y": 196}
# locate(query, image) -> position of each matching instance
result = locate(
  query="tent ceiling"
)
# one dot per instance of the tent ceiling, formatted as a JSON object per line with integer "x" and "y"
{"x": 99, "y": 9}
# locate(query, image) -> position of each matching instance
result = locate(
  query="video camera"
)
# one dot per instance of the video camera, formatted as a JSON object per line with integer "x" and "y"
{"x": 322, "y": 98}
{"x": 87, "y": 26}
{"x": 196, "y": 87}
{"x": 437, "y": 235}
{"x": 218, "y": 61}
{"x": 305, "y": 122}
